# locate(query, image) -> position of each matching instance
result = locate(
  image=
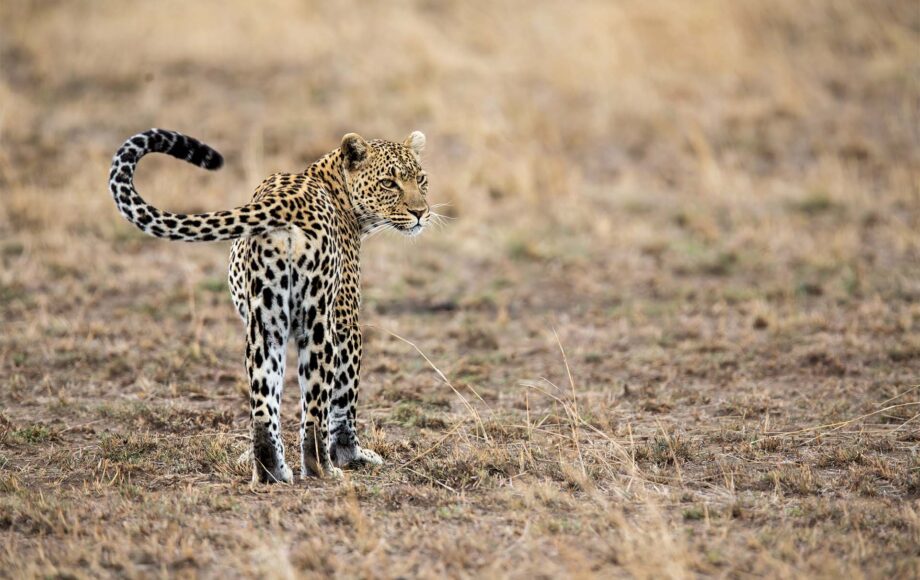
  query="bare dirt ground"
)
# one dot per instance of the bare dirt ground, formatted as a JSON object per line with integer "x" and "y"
{"x": 673, "y": 329}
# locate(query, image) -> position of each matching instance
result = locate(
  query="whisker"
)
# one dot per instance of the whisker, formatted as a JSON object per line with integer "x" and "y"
{"x": 375, "y": 229}
{"x": 439, "y": 220}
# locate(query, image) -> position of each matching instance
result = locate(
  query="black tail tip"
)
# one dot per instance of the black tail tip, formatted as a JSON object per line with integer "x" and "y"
{"x": 213, "y": 160}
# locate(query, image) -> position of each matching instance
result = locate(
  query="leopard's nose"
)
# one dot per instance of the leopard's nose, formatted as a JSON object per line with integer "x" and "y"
{"x": 418, "y": 213}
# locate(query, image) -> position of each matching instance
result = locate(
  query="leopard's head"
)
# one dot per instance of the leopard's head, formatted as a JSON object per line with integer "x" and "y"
{"x": 386, "y": 183}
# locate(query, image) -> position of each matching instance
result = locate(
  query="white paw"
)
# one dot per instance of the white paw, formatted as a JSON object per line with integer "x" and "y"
{"x": 312, "y": 470}
{"x": 245, "y": 457}
{"x": 284, "y": 475}
{"x": 369, "y": 457}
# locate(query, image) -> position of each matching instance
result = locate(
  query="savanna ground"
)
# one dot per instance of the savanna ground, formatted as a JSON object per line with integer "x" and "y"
{"x": 712, "y": 208}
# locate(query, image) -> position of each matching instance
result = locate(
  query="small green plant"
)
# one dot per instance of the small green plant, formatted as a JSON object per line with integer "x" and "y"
{"x": 33, "y": 434}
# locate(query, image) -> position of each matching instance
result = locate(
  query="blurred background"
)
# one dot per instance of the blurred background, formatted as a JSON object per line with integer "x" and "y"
{"x": 716, "y": 205}
{"x": 639, "y": 137}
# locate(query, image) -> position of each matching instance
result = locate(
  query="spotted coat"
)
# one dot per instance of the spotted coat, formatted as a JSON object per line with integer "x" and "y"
{"x": 294, "y": 276}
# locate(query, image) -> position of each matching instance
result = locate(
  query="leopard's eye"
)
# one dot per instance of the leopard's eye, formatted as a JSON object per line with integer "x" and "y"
{"x": 388, "y": 183}
{"x": 420, "y": 179}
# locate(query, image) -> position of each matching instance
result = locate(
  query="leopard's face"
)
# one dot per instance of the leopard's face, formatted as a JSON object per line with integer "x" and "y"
{"x": 387, "y": 184}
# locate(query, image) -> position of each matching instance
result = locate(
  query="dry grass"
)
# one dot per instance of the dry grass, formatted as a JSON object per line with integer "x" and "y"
{"x": 672, "y": 331}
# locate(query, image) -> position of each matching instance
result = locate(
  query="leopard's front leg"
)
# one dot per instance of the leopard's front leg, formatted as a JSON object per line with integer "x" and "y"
{"x": 346, "y": 450}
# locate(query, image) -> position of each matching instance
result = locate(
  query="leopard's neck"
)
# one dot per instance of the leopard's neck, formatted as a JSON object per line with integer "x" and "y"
{"x": 329, "y": 170}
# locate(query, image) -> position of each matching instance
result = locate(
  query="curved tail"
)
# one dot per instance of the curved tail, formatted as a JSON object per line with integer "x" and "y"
{"x": 255, "y": 218}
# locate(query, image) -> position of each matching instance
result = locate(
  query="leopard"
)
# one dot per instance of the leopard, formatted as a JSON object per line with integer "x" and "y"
{"x": 295, "y": 277}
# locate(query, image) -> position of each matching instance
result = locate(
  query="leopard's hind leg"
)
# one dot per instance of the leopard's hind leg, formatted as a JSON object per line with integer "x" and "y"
{"x": 267, "y": 331}
{"x": 345, "y": 449}
{"x": 316, "y": 368}
{"x": 265, "y": 367}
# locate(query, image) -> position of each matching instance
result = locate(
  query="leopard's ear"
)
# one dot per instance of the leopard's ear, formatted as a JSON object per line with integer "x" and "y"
{"x": 416, "y": 142}
{"x": 355, "y": 150}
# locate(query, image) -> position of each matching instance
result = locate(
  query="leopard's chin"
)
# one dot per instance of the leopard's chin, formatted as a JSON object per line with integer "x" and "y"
{"x": 410, "y": 231}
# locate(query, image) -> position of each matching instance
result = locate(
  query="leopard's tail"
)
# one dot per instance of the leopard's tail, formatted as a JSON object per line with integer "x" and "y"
{"x": 249, "y": 220}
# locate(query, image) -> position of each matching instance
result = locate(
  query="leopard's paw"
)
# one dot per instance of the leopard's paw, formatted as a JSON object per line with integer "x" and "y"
{"x": 368, "y": 457}
{"x": 313, "y": 469}
{"x": 356, "y": 457}
{"x": 282, "y": 474}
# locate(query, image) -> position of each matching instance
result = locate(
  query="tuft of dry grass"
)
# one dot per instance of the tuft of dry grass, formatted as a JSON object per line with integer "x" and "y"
{"x": 668, "y": 327}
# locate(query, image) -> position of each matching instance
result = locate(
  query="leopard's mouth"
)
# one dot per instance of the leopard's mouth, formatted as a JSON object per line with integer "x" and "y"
{"x": 408, "y": 227}
{"x": 410, "y": 231}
